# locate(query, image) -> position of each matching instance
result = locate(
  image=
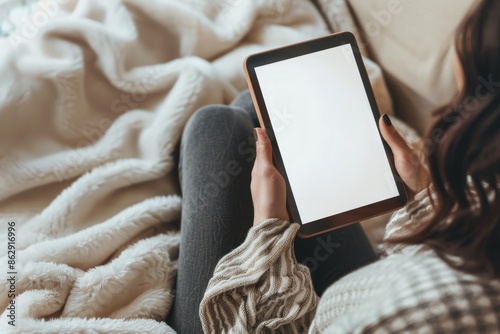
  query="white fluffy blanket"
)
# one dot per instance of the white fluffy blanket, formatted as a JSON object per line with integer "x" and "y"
{"x": 94, "y": 96}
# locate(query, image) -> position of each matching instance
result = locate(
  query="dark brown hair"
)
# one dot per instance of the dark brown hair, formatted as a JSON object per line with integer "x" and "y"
{"x": 464, "y": 161}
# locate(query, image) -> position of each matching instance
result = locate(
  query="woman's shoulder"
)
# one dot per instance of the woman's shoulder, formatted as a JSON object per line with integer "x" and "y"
{"x": 410, "y": 292}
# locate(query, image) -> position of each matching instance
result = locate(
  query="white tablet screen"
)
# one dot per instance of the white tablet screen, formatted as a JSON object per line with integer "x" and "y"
{"x": 325, "y": 129}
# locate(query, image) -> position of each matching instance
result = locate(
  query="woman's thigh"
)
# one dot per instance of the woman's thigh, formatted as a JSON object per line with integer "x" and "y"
{"x": 216, "y": 159}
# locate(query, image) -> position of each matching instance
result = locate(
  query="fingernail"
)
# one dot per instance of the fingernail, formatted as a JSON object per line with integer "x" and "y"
{"x": 387, "y": 120}
{"x": 255, "y": 134}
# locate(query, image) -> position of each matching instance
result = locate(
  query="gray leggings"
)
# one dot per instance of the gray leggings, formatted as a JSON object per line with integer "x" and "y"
{"x": 216, "y": 158}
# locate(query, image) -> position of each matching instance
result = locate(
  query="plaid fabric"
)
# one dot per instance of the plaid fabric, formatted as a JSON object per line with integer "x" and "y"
{"x": 410, "y": 291}
{"x": 410, "y": 294}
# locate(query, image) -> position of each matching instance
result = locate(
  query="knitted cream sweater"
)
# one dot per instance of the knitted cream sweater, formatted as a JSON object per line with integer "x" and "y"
{"x": 259, "y": 288}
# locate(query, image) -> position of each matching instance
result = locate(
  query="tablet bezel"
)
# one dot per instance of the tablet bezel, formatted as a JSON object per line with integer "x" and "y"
{"x": 345, "y": 218}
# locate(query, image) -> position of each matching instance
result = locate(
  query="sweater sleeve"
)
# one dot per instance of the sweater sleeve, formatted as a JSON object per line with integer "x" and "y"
{"x": 259, "y": 286}
{"x": 407, "y": 219}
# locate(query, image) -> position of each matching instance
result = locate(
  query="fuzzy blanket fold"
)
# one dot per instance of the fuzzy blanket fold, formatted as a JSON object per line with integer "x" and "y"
{"x": 94, "y": 96}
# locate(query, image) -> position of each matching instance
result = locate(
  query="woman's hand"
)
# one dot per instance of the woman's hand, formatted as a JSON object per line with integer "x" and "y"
{"x": 414, "y": 174}
{"x": 268, "y": 186}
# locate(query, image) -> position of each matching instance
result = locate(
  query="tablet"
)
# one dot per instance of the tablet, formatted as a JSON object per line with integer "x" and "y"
{"x": 316, "y": 103}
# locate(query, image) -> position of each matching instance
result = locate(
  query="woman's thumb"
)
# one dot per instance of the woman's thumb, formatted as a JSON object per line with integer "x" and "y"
{"x": 263, "y": 146}
{"x": 397, "y": 143}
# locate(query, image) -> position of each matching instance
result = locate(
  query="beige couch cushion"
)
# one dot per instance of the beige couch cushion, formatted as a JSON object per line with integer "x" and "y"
{"x": 413, "y": 42}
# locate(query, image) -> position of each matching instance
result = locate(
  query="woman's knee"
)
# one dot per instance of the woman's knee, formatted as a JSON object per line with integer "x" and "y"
{"x": 209, "y": 113}
{"x": 220, "y": 123}
{"x": 217, "y": 149}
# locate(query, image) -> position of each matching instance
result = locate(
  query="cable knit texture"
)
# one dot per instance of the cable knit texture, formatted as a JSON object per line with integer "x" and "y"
{"x": 266, "y": 278}
{"x": 260, "y": 288}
